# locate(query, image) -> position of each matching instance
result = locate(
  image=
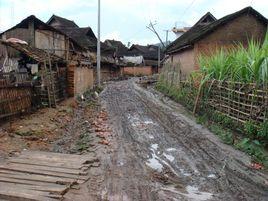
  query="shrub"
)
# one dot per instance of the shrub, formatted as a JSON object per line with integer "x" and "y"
{"x": 253, "y": 148}
{"x": 225, "y": 135}
{"x": 250, "y": 130}
{"x": 263, "y": 133}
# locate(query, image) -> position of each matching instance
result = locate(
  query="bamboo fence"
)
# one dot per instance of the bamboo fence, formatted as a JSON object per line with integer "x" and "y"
{"x": 15, "y": 98}
{"x": 239, "y": 101}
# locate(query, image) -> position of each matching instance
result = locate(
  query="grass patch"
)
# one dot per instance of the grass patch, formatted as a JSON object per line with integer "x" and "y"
{"x": 83, "y": 143}
{"x": 27, "y": 133}
{"x": 255, "y": 149}
{"x": 225, "y": 135}
{"x": 249, "y": 138}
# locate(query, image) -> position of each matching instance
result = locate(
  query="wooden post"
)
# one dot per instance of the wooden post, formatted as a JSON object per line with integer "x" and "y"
{"x": 198, "y": 95}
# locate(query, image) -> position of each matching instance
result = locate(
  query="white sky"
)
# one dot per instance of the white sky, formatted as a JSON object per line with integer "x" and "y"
{"x": 125, "y": 20}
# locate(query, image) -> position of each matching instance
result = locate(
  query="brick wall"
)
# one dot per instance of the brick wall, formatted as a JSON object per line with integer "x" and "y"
{"x": 137, "y": 70}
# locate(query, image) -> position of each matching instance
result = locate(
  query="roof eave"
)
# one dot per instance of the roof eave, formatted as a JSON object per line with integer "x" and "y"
{"x": 177, "y": 50}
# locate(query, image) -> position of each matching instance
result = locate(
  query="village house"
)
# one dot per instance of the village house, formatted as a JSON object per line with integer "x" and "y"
{"x": 120, "y": 50}
{"x": 86, "y": 38}
{"x": 39, "y": 35}
{"x": 210, "y": 34}
{"x": 142, "y": 60}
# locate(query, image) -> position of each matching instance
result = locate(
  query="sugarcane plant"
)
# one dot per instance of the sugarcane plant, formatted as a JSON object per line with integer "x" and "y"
{"x": 239, "y": 64}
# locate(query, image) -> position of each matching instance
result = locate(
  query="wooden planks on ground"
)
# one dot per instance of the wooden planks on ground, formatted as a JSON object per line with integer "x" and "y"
{"x": 35, "y": 175}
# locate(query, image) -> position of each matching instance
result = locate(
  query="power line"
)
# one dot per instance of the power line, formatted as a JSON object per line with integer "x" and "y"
{"x": 187, "y": 8}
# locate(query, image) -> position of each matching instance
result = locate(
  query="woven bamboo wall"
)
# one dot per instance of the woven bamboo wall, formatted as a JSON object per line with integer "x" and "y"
{"x": 242, "y": 102}
{"x": 14, "y": 99}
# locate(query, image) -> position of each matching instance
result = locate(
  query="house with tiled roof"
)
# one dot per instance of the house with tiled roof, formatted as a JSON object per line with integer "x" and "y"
{"x": 40, "y": 35}
{"x": 85, "y": 37}
{"x": 210, "y": 34}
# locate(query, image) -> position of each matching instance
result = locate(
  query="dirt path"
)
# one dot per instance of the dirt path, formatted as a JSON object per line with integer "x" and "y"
{"x": 157, "y": 153}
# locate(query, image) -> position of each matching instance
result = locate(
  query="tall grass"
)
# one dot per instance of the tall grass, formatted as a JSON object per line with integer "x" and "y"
{"x": 242, "y": 64}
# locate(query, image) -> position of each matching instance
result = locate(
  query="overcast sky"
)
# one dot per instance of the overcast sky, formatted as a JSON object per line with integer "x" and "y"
{"x": 125, "y": 20}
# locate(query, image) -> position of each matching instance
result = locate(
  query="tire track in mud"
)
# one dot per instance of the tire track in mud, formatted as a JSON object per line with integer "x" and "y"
{"x": 163, "y": 155}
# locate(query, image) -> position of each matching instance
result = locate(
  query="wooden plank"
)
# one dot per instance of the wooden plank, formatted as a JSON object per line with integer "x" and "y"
{"x": 47, "y": 173}
{"x": 45, "y": 168}
{"x": 34, "y": 177}
{"x": 46, "y": 163}
{"x": 15, "y": 193}
{"x": 53, "y": 154}
{"x": 58, "y": 155}
{"x": 56, "y": 158}
{"x": 33, "y": 185}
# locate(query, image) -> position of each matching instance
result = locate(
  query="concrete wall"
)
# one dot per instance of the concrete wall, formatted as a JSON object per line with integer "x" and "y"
{"x": 137, "y": 70}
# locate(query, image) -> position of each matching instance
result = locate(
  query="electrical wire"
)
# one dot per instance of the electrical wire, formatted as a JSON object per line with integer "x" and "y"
{"x": 187, "y": 8}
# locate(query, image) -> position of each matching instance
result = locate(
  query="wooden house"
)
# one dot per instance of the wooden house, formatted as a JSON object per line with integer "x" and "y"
{"x": 86, "y": 38}
{"x": 40, "y": 35}
{"x": 149, "y": 64}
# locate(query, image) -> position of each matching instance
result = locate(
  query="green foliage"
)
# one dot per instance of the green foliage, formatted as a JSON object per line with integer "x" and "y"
{"x": 248, "y": 65}
{"x": 225, "y": 135}
{"x": 83, "y": 143}
{"x": 253, "y": 148}
{"x": 202, "y": 119}
{"x": 250, "y": 129}
{"x": 184, "y": 95}
{"x": 263, "y": 133}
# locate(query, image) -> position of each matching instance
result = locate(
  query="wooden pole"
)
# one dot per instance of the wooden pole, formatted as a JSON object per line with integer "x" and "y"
{"x": 198, "y": 95}
{"x": 98, "y": 48}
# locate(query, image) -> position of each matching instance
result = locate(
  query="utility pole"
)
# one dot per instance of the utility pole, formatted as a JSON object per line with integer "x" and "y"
{"x": 159, "y": 55}
{"x": 98, "y": 47}
{"x": 167, "y": 36}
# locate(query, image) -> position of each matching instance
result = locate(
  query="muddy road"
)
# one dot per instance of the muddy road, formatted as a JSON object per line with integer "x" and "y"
{"x": 157, "y": 152}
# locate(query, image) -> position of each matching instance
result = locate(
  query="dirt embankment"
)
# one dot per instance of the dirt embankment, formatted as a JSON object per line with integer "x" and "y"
{"x": 66, "y": 129}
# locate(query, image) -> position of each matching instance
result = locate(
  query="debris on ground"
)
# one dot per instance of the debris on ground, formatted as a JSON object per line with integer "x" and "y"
{"x": 101, "y": 127}
{"x": 256, "y": 166}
